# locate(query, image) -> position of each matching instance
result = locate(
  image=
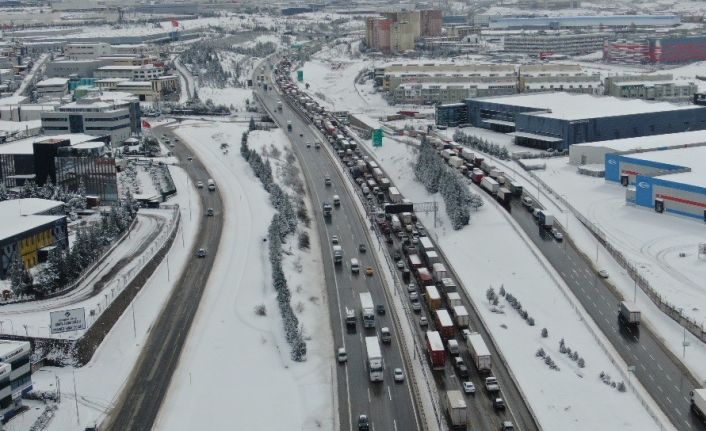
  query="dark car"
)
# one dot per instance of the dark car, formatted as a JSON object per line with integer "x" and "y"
{"x": 363, "y": 423}
{"x": 381, "y": 309}
{"x": 362, "y": 248}
{"x": 498, "y": 404}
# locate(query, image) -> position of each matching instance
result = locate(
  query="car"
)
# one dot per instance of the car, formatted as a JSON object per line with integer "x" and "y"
{"x": 385, "y": 335}
{"x": 400, "y": 264}
{"x": 423, "y": 321}
{"x": 363, "y": 423}
{"x": 189, "y": 158}
{"x": 498, "y": 404}
{"x": 466, "y": 333}
{"x": 362, "y": 248}
{"x": 413, "y": 296}
{"x": 389, "y": 240}
{"x": 399, "y": 375}
{"x": 381, "y": 309}
{"x": 396, "y": 255}
{"x": 317, "y": 146}
{"x": 507, "y": 426}
{"x": 603, "y": 273}
{"x": 463, "y": 371}
{"x": 411, "y": 287}
{"x": 308, "y": 144}
{"x": 415, "y": 240}
{"x": 557, "y": 235}
{"x": 416, "y": 306}
{"x": 469, "y": 387}
{"x": 334, "y": 239}
{"x": 171, "y": 145}
{"x": 342, "y": 356}
{"x": 301, "y": 135}
{"x": 209, "y": 212}
{"x": 369, "y": 271}
{"x": 201, "y": 252}
{"x": 199, "y": 184}
{"x": 327, "y": 181}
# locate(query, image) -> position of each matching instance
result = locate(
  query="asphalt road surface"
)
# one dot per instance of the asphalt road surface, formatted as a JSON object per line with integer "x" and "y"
{"x": 139, "y": 403}
{"x": 656, "y": 369}
{"x": 389, "y": 405}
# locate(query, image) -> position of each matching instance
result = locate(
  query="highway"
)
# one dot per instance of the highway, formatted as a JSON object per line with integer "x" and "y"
{"x": 142, "y": 396}
{"x": 658, "y": 371}
{"x": 389, "y": 405}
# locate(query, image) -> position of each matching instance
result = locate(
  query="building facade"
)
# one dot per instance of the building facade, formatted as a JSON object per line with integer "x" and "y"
{"x": 543, "y": 44}
{"x": 54, "y": 88}
{"x": 650, "y": 87}
{"x": 666, "y": 49}
{"x": 15, "y": 376}
{"x": 451, "y": 115}
{"x": 86, "y": 50}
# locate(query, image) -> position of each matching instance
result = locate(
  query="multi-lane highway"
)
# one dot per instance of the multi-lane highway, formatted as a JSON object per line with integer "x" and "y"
{"x": 144, "y": 392}
{"x": 389, "y": 405}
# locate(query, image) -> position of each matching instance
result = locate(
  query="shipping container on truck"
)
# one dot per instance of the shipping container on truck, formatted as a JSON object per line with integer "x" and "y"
{"x": 377, "y": 174}
{"x": 455, "y": 162}
{"x": 395, "y": 195}
{"x": 447, "y": 285}
{"x": 490, "y": 185}
{"x": 425, "y": 244}
{"x": 494, "y": 173}
{"x": 455, "y": 408}
{"x": 367, "y": 310}
{"x": 546, "y": 219}
{"x": 698, "y": 403}
{"x": 447, "y": 153}
{"x": 478, "y": 161}
{"x": 433, "y": 298}
{"x": 439, "y": 271}
{"x": 406, "y": 217}
{"x": 479, "y": 352}
{"x": 477, "y": 175}
{"x": 385, "y": 183}
{"x": 444, "y": 324}
{"x": 414, "y": 261}
{"x": 453, "y": 299}
{"x": 423, "y": 277}
{"x": 629, "y": 312}
{"x": 437, "y": 353}
{"x": 501, "y": 179}
{"x": 431, "y": 257}
{"x": 396, "y": 224}
{"x": 374, "y": 361}
{"x": 504, "y": 195}
{"x": 461, "y": 316}
{"x": 514, "y": 187}
{"x": 486, "y": 166}
{"x": 467, "y": 155}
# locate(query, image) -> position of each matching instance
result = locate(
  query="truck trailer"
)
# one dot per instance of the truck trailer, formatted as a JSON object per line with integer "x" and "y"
{"x": 479, "y": 352}
{"x": 374, "y": 362}
{"x": 698, "y": 402}
{"x": 629, "y": 313}
{"x": 367, "y": 310}
{"x": 433, "y": 298}
{"x": 546, "y": 219}
{"x": 456, "y": 409}
{"x": 437, "y": 353}
{"x": 461, "y": 316}
{"x": 490, "y": 185}
{"x": 444, "y": 324}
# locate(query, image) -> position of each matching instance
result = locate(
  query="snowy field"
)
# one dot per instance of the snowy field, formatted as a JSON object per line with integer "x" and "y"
{"x": 98, "y": 383}
{"x": 258, "y": 377}
{"x": 572, "y": 395}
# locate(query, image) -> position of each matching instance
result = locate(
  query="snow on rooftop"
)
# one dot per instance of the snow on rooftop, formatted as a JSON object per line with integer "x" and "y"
{"x": 12, "y": 100}
{"x": 570, "y": 106}
{"x": 693, "y": 158}
{"x": 28, "y": 206}
{"x": 12, "y": 223}
{"x": 52, "y": 82}
{"x": 24, "y": 146}
{"x": 651, "y": 142}
{"x": 9, "y": 347}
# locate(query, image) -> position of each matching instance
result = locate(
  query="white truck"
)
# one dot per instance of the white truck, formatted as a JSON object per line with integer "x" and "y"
{"x": 453, "y": 299}
{"x": 479, "y": 352}
{"x": 629, "y": 312}
{"x": 447, "y": 153}
{"x": 546, "y": 219}
{"x": 374, "y": 362}
{"x": 698, "y": 402}
{"x": 337, "y": 254}
{"x": 439, "y": 272}
{"x": 367, "y": 310}
{"x": 396, "y": 224}
{"x": 395, "y": 195}
{"x": 467, "y": 154}
{"x": 455, "y": 161}
{"x": 490, "y": 185}
{"x": 456, "y": 409}
{"x": 461, "y": 316}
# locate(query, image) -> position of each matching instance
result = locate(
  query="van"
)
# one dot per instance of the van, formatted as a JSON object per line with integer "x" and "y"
{"x": 355, "y": 266}
{"x": 453, "y": 347}
{"x": 211, "y": 184}
{"x": 385, "y": 335}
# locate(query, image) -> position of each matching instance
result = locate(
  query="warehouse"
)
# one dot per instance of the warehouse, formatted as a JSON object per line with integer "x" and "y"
{"x": 556, "y": 22}
{"x": 672, "y": 181}
{"x": 558, "y": 120}
{"x": 595, "y": 152}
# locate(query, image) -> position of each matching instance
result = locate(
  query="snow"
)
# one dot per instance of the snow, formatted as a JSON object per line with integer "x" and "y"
{"x": 693, "y": 158}
{"x": 227, "y": 96}
{"x": 99, "y": 382}
{"x": 269, "y": 390}
{"x": 572, "y": 395}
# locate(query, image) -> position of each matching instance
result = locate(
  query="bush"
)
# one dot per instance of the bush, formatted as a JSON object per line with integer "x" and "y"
{"x": 545, "y": 333}
{"x": 304, "y": 240}
{"x": 260, "y": 310}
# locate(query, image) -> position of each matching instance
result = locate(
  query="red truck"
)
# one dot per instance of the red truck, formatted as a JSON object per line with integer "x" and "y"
{"x": 437, "y": 353}
{"x": 414, "y": 261}
{"x": 444, "y": 324}
{"x": 423, "y": 277}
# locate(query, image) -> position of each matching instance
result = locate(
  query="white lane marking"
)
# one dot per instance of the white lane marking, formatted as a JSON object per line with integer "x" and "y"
{"x": 369, "y": 399}
{"x": 389, "y": 393}
{"x": 660, "y": 388}
{"x": 662, "y": 369}
{"x": 643, "y": 347}
{"x": 668, "y": 400}
{"x": 652, "y": 357}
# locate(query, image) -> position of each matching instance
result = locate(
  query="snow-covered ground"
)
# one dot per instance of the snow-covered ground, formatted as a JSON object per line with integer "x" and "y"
{"x": 572, "y": 395}
{"x": 255, "y": 378}
{"x": 98, "y": 383}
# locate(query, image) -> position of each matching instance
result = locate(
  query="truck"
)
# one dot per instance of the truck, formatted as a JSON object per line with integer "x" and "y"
{"x": 406, "y": 217}
{"x": 367, "y": 310}
{"x": 374, "y": 360}
{"x": 629, "y": 313}
{"x": 456, "y": 409}
{"x": 289, "y": 126}
{"x": 477, "y": 175}
{"x": 423, "y": 277}
{"x": 439, "y": 272}
{"x": 453, "y": 299}
{"x": 211, "y": 184}
{"x": 437, "y": 353}
{"x": 350, "y": 317}
{"x": 461, "y": 316}
{"x": 467, "y": 155}
{"x": 546, "y": 219}
{"x": 414, "y": 261}
{"x": 425, "y": 244}
{"x": 447, "y": 153}
{"x": 514, "y": 187}
{"x": 504, "y": 195}
{"x": 433, "y": 298}
{"x": 377, "y": 174}
{"x": 447, "y": 285}
{"x": 396, "y": 224}
{"x": 698, "y": 402}
{"x": 490, "y": 185}
{"x": 455, "y": 161}
{"x": 431, "y": 257}
{"x": 327, "y": 209}
{"x": 444, "y": 324}
{"x": 337, "y": 254}
{"x": 479, "y": 351}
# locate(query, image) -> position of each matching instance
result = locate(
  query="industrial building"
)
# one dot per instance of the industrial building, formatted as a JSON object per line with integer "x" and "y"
{"x": 15, "y": 376}
{"x": 557, "y": 22}
{"x": 671, "y": 181}
{"x": 666, "y": 49}
{"x": 595, "y": 152}
{"x": 543, "y": 44}
{"x": 52, "y": 88}
{"x": 558, "y": 120}
{"x": 571, "y": 78}
{"x": 137, "y": 73}
{"x": 27, "y": 233}
{"x": 650, "y": 87}
{"x": 393, "y": 75}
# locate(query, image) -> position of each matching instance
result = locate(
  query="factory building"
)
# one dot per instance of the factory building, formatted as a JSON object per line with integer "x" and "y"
{"x": 684, "y": 49}
{"x": 558, "y": 120}
{"x": 650, "y": 87}
{"x": 544, "y": 44}
{"x": 396, "y": 74}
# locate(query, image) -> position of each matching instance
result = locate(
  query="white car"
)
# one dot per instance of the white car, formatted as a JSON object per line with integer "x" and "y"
{"x": 199, "y": 184}
{"x": 469, "y": 388}
{"x": 400, "y": 264}
{"x": 399, "y": 375}
{"x": 342, "y": 356}
{"x": 413, "y": 296}
{"x": 423, "y": 321}
{"x": 334, "y": 239}
{"x": 603, "y": 273}
{"x": 411, "y": 287}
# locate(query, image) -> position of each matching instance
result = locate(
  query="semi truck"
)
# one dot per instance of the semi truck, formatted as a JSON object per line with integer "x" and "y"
{"x": 477, "y": 175}
{"x": 504, "y": 195}
{"x": 414, "y": 261}
{"x": 455, "y": 161}
{"x": 425, "y": 244}
{"x": 439, "y": 272}
{"x": 437, "y": 353}
{"x": 698, "y": 402}
{"x": 367, "y": 310}
{"x": 461, "y": 316}
{"x": 467, "y": 155}
{"x": 433, "y": 298}
{"x": 453, "y": 299}
{"x": 490, "y": 185}
{"x": 423, "y": 277}
{"x": 629, "y": 313}
{"x": 337, "y": 254}
{"x": 456, "y": 408}
{"x": 448, "y": 285}
{"x": 546, "y": 219}
{"x": 444, "y": 324}
{"x": 479, "y": 352}
{"x": 374, "y": 362}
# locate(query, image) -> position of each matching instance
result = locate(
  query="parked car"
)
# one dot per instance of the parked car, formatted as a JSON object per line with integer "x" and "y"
{"x": 469, "y": 387}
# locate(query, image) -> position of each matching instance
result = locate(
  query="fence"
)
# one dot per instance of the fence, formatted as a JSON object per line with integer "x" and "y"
{"x": 691, "y": 325}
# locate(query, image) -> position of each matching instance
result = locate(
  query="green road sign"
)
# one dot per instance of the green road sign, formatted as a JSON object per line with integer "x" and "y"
{"x": 377, "y": 138}
{"x": 300, "y": 75}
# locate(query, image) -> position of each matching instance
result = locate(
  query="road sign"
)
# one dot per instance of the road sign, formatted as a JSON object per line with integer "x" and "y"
{"x": 67, "y": 320}
{"x": 300, "y": 75}
{"x": 377, "y": 138}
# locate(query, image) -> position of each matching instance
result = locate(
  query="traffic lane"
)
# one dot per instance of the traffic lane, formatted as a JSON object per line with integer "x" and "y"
{"x": 653, "y": 367}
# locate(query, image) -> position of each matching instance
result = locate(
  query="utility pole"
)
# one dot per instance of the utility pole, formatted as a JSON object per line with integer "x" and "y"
{"x": 78, "y": 420}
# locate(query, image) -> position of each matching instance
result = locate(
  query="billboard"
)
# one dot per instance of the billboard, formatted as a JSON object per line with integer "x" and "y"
{"x": 377, "y": 138}
{"x": 300, "y": 75}
{"x": 67, "y": 320}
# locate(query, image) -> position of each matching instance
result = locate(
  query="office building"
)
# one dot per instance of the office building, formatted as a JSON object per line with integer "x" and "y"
{"x": 15, "y": 376}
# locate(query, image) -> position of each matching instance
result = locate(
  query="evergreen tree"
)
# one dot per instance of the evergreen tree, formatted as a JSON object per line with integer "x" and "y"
{"x": 3, "y": 192}
{"x": 251, "y": 126}
{"x": 14, "y": 274}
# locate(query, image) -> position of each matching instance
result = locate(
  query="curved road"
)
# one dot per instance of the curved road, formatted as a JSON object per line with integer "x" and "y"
{"x": 139, "y": 403}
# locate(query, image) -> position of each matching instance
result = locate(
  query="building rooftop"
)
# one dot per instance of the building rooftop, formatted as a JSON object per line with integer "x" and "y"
{"x": 30, "y": 206}
{"x": 50, "y": 82}
{"x": 571, "y": 106}
{"x": 14, "y": 219}
{"x": 654, "y": 142}
{"x": 24, "y": 146}
{"x": 9, "y": 348}
{"x": 693, "y": 158}
{"x": 12, "y": 100}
